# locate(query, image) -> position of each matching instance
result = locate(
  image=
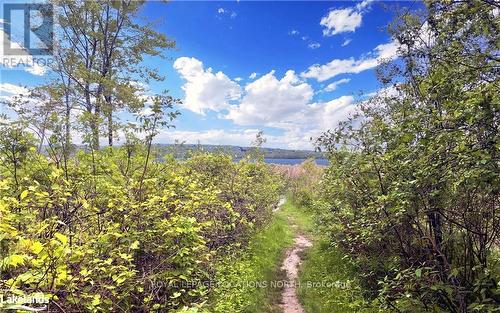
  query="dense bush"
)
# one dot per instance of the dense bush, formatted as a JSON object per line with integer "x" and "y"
{"x": 246, "y": 277}
{"x": 412, "y": 190}
{"x": 96, "y": 235}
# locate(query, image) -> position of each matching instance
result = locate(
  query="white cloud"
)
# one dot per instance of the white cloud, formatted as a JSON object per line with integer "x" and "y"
{"x": 311, "y": 44}
{"x": 253, "y": 75}
{"x": 204, "y": 89}
{"x": 314, "y": 45}
{"x": 283, "y": 103}
{"x": 328, "y": 115}
{"x": 387, "y": 51}
{"x": 341, "y": 21}
{"x": 344, "y": 20}
{"x": 147, "y": 111}
{"x": 302, "y": 122}
{"x": 425, "y": 37}
{"x": 36, "y": 69}
{"x": 240, "y": 137}
{"x": 346, "y": 42}
{"x": 7, "y": 89}
{"x": 223, "y": 11}
{"x": 238, "y": 79}
{"x": 9, "y": 93}
{"x": 386, "y": 92}
{"x": 335, "y": 84}
{"x": 364, "y": 4}
{"x": 351, "y": 65}
{"x": 236, "y": 137}
{"x": 270, "y": 101}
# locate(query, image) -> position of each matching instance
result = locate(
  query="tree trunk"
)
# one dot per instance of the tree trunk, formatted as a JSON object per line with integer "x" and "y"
{"x": 110, "y": 120}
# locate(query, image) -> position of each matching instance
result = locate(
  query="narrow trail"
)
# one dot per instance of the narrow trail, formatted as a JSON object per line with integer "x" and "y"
{"x": 290, "y": 302}
{"x": 280, "y": 204}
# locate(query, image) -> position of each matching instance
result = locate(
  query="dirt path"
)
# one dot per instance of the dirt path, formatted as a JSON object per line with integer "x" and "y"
{"x": 290, "y": 302}
{"x": 280, "y": 204}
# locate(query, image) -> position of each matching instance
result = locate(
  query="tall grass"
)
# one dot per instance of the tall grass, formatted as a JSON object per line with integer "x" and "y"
{"x": 328, "y": 282}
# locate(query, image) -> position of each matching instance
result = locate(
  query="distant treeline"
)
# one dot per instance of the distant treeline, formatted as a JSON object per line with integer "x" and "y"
{"x": 182, "y": 150}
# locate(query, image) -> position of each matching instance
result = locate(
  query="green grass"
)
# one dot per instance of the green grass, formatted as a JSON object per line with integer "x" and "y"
{"x": 328, "y": 282}
{"x": 259, "y": 263}
{"x": 301, "y": 217}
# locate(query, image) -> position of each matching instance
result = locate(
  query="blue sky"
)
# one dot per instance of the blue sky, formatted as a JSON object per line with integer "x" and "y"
{"x": 292, "y": 69}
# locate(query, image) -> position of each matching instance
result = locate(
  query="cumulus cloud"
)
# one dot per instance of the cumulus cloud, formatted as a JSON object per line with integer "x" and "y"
{"x": 253, "y": 75}
{"x": 335, "y": 84}
{"x": 328, "y": 115}
{"x": 344, "y": 20}
{"x": 204, "y": 89}
{"x": 317, "y": 118}
{"x": 269, "y": 100}
{"x": 284, "y": 103}
{"x": 351, "y": 65}
{"x": 341, "y": 21}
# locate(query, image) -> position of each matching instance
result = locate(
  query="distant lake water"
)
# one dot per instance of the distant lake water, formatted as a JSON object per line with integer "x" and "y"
{"x": 294, "y": 161}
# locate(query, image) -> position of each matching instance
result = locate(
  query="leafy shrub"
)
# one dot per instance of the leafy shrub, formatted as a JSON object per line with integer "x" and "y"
{"x": 93, "y": 237}
{"x": 412, "y": 188}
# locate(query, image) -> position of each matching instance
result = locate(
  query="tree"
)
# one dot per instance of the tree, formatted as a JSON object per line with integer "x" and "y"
{"x": 155, "y": 117}
{"x": 257, "y": 143}
{"x": 417, "y": 182}
{"x": 15, "y": 143}
{"x": 100, "y": 57}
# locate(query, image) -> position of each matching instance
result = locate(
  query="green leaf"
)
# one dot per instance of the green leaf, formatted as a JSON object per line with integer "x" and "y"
{"x": 62, "y": 238}
{"x": 418, "y": 272}
{"x": 14, "y": 260}
{"x": 134, "y": 245}
{"x": 36, "y": 247}
{"x": 24, "y": 194}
